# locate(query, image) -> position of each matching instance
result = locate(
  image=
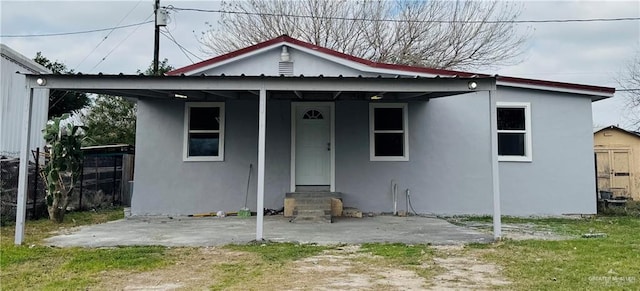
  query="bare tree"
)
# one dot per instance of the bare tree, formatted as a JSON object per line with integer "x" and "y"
{"x": 440, "y": 34}
{"x": 629, "y": 83}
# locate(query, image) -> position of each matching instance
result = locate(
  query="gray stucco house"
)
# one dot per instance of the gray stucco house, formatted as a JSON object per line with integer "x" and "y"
{"x": 357, "y": 143}
{"x": 310, "y": 118}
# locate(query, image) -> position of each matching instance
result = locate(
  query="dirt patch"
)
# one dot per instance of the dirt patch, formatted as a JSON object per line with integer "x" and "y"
{"x": 346, "y": 268}
{"x": 192, "y": 270}
{"x": 463, "y": 271}
{"x": 342, "y": 268}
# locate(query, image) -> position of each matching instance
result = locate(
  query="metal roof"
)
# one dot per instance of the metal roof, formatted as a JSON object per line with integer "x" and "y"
{"x": 23, "y": 61}
{"x": 603, "y": 92}
{"x": 204, "y": 87}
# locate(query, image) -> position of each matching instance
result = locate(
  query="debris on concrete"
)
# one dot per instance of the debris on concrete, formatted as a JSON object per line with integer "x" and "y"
{"x": 211, "y": 231}
{"x": 351, "y": 212}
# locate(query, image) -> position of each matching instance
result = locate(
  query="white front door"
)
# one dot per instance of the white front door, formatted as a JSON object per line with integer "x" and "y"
{"x": 312, "y": 144}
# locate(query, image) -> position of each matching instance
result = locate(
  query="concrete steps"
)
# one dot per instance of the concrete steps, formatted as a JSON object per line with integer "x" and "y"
{"x": 311, "y": 206}
{"x": 313, "y": 194}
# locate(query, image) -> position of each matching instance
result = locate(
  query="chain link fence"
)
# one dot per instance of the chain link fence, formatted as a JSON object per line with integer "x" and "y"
{"x": 104, "y": 182}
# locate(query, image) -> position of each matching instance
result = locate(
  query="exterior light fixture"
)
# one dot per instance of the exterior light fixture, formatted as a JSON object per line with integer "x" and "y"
{"x": 284, "y": 56}
{"x": 41, "y": 81}
{"x": 376, "y": 97}
{"x": 180, "y": 96}
{"x": 473, "y": 85}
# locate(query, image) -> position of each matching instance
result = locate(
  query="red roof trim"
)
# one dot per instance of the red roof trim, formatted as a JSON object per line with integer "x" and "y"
{"x": 573, "y": 86}
{"x": 227, "y": 56}
{"x": 376, "y": 64}
{"x": 288, "y": 39}
{"x": 405, "y": 68}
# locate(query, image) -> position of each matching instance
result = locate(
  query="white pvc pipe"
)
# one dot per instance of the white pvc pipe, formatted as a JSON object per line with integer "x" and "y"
{"x": 394, "y": 192}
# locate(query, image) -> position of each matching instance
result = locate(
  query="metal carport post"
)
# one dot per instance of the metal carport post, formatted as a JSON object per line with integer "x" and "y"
{"x": 23, "y": 173}
{"x": 262, "y": 131}
{"x": 495, "y": 170}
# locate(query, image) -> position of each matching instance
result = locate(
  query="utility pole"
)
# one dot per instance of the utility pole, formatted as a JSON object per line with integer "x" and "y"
{"x": 156, "y": 45}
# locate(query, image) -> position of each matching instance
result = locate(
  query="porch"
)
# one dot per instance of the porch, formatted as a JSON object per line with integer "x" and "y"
{"x": 212, "y": 231}
{"x": 166, "y": 98}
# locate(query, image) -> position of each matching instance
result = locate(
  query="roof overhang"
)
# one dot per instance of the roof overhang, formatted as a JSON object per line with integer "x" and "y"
{"x": 208, "y": 87}
{"x": 23, "y": 61}
{"x": 613, "y": 127}
{"x": 594, "y": 92}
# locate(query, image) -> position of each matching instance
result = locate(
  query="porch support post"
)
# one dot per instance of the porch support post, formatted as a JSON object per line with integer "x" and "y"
{"x": 262, "y": 130}
{"x": 495, "y": 171}
{"x": 23, "y": 173}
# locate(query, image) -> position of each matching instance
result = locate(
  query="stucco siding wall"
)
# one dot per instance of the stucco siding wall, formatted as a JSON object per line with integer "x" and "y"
{"x": 164, "y": 184}
{"x": 448, "y": 171}
{"x": 560, "y": 179}
{"x": 267, "y": 63}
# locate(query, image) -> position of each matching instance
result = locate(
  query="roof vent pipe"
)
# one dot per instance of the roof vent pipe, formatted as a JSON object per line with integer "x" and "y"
{"x": 284, "y": 56}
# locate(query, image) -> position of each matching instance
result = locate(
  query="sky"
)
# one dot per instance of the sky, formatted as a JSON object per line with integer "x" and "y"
{"x": 593, "y": 53}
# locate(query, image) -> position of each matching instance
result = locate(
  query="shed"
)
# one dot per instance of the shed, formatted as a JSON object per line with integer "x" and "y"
{"x": 616, "y": 163}
{"x": 14, "y": 66}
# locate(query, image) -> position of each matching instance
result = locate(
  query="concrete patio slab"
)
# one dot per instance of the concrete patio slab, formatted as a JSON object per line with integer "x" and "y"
{"x": 213, "y": 231}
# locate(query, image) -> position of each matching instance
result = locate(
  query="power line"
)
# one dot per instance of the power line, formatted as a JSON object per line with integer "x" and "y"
{"x": 75, "y": 32}
{"x": 108, "y": 34}
{"x": 184, "y": 50}
{"x": 118, "y": 45}
{"x": 628, "y": 90}
{"x": 179, "y": 46}
{"x": 170, "y": 7}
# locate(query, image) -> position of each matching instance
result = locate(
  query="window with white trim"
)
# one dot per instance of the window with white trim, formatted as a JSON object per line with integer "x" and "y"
{"x": 203, "y": 131}
{"x": 514, "y": 131}
{"x": 388, "y": 132}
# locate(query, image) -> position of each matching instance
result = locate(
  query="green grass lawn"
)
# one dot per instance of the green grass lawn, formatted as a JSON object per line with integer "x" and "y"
{"x": 612, "y": 262}
{"x": 260, "y": 262}
{"x": 33, "y": 266}
{"x": 607, "y": 263}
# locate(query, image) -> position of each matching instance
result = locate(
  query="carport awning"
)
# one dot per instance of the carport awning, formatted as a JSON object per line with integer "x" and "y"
{"x": 199, "y": 88}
